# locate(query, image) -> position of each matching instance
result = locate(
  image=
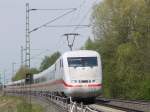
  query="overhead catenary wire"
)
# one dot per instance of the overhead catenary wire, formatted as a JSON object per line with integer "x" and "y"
{"x": 60, "y": 26}
{"x": 77, "y": 12}
{"x": 36, "y": 56}
{"x": 52, "y": 9}
{"x": 80, "y": 7}
{"x": 51, "y": 21}
{"x": 78, "y": 25}
{"x": 33, "y": 57}
{"x": 61, "y": 43}
{"x": 77, "y": 15}
{"x": 84, "y": 17}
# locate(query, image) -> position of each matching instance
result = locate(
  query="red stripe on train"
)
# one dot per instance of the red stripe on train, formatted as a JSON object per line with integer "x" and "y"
{"x": 80, "y": 85}
{"x": 65, "y": 84}
{"x": 70, "y": 85}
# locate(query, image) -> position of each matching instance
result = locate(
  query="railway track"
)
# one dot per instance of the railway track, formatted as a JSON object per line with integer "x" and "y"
{"x": 100, "y": 105}
{"x": 103, "y": 108}
{"x": 128, "y": 105}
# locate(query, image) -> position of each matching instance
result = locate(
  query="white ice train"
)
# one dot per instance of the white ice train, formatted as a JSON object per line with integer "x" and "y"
{"x": 76, "y": 74}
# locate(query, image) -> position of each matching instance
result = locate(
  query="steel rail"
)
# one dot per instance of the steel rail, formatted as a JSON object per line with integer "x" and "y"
{"x": 129, "y": 105}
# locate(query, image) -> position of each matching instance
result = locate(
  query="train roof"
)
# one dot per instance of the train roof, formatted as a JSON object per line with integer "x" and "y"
{"x": 81, "y": 53}
{"x": 36, "y": 76}
{"x": 16, "y": 82}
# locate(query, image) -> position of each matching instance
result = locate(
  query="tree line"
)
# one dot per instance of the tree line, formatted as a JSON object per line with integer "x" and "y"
{"x": 121, "y": 31}
{"x": 46, "y": 62}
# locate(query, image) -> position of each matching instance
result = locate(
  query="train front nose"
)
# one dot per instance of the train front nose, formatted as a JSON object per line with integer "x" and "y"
{"x": 84, "y": 91}
{"x": 84, "y": 77}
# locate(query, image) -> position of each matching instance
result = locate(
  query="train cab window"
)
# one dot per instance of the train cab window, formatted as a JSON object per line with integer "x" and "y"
{"x": 62, "y": 63}
{"x": 82, "y": 61}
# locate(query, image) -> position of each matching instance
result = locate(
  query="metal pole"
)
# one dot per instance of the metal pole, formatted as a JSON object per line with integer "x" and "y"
{"x": 81, "y": 106}
{"x": 30, "y": 93}
{"x": 13, "y": 68}
{"x": 4, "y": 79}
{"x": 0, "y": 79}
{"x": 27, "y": 56}
{"x": 0, "y": 83}
{"x": 21, "y": 55}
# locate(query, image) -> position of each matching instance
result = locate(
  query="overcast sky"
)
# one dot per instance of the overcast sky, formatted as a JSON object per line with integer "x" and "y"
{"x": 12, "y": 29}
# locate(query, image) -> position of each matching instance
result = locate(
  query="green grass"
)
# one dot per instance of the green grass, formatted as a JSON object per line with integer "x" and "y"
{"x": 26, "y": 107}
{"x": 17, "y": 104}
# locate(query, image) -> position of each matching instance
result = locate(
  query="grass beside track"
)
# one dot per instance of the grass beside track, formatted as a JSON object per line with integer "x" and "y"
{"x": 17, "y": 104}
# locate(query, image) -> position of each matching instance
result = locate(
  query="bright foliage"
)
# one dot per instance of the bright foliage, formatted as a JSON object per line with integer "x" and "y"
{"x": 122, "y": 31}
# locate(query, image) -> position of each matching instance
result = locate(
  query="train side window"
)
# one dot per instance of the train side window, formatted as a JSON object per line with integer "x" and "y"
{"x": 55, "y": 67}
{"x": 43, "y": 79}
{"x": 60, "y": 63}
{"x": 40, "y": 80}
{"x": 36, "y": 80}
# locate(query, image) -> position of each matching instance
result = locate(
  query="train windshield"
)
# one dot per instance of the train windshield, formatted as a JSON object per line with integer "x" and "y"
{"x": 82, "y": 61}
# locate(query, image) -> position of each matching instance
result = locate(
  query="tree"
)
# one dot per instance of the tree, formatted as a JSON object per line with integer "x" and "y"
{"x": 122, "y": 31}
{"x": 49, "y": 60}
{"x": 21, "y": 73}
